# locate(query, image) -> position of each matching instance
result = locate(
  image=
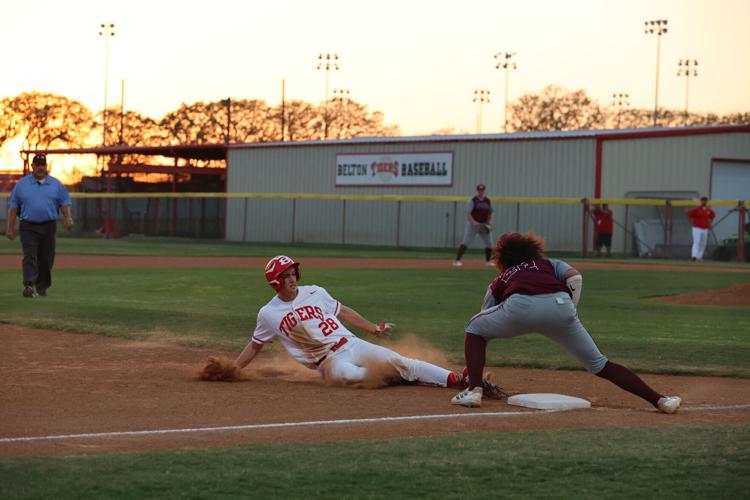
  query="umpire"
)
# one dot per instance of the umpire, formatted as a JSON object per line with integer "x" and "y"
{"x": 36, "y": 200}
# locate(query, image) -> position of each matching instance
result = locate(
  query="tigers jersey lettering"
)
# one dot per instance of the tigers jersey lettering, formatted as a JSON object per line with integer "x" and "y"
{"x": 307, "y": 326}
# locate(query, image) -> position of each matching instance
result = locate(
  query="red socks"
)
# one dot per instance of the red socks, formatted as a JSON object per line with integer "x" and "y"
{"x": 456, "y": 380}
{"x": 624, "y": 378}
{"x": 475, "y": 348}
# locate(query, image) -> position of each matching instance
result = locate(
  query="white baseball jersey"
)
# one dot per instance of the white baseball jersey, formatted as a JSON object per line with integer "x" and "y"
{"x": 307, "y": 326}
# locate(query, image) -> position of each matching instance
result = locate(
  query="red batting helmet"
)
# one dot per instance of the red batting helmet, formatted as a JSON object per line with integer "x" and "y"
{"x": 278, "y": 265}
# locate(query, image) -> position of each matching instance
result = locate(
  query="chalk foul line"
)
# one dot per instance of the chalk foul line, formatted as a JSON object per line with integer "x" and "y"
{"x": 310, "y": 423}
{"x": 279, "y": 425}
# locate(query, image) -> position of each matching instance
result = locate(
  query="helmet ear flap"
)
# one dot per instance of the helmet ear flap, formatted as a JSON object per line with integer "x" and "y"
{"x": 278, "y": 265}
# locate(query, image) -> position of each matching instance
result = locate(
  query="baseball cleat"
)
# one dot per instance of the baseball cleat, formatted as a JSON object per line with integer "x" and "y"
{"x": 29, "y": 292}
{"x": 457, "y": 263}
{"x": 669, "y": 404}
{"x": 468, "y": 398}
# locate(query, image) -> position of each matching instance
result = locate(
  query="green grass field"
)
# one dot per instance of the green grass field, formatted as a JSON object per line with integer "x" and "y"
{"x": 216, "y": 309}
{"x": 672, "y": 463}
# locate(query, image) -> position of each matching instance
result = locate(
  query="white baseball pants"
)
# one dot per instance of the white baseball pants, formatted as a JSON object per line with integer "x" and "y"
{"x": 700, "y": 239}
{"x": 352, "y": 365}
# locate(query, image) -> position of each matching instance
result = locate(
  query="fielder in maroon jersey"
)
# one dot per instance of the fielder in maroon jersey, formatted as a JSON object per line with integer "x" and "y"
{"x": 534, "y": 294}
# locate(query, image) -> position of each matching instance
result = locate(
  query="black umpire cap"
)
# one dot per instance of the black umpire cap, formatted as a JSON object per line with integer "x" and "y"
{"x": 40, "y": 159}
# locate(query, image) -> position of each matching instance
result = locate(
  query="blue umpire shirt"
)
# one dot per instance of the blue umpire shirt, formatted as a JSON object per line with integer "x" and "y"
{"x": 38, "y": 201}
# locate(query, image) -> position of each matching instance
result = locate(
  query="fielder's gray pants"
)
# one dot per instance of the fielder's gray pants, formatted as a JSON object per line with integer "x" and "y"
{"x": 472, "y": 230}
{"x": 553, "y": 315}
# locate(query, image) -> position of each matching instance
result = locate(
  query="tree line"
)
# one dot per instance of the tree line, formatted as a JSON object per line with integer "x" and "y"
{"x": 556, "y": 108}
{"x": 48, "y": 121}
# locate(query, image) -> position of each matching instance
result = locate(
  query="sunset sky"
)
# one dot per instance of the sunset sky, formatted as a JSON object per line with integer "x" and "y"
{"x": 417, "y": 61}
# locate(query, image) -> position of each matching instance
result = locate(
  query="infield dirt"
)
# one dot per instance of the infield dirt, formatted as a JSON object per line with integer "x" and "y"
{"x": 62, "y": 383}
{"x": 58, "y": 383}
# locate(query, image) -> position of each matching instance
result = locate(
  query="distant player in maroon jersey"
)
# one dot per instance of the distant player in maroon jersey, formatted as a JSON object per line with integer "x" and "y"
{"x": 478, "y": 222}
{"x": 603, "y": 229}
{"x": 701, "y": 218}
{"x": 534, "y": 294}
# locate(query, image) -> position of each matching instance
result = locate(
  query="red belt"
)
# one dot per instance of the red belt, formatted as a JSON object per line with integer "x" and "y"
{"x": 335, "y": 348}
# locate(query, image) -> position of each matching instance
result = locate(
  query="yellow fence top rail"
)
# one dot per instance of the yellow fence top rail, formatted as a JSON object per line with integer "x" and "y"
{"x": 388, "y": 197}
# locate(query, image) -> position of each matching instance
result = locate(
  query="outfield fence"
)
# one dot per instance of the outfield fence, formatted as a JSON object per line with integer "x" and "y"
{"x": 643, "y": 227}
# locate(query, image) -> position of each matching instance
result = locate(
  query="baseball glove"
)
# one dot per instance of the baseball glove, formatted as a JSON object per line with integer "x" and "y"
{"x": 489, "y": 390}
{"x": 219, "y": 370}
{"x": 492, "y": 391}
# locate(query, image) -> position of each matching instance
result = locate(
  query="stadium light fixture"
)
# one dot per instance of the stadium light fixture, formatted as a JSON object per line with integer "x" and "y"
{"x": 107, "y": 31}
{"x": 481, "y": 96}
{"x": 620, "y": 100}
{"x": 656, "y": 27}
{"x": 687, "y": 68}
{"x": 506, "y": 63}
{"x": 328, "y": 61}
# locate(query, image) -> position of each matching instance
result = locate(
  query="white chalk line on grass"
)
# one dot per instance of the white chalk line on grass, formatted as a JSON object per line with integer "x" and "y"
{"x": 280, "y": 425}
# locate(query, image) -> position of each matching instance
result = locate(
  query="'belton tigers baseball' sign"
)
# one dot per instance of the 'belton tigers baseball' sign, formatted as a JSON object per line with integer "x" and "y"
{"x": 395, "y": 169}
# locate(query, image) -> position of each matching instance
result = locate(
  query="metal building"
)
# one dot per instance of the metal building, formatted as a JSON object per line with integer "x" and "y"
{"x": 681, "y": 163}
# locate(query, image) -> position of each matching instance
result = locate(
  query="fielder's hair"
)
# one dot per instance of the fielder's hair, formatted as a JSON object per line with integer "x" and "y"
{"x": 516, "y": 248}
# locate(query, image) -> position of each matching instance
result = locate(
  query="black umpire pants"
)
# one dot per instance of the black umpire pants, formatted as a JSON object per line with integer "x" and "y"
{"x": 38, "y": 243}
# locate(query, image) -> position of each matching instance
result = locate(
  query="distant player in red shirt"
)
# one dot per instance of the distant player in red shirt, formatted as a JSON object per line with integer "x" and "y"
{"x": 701, "y": 218}
{"x": 534, "y": 294}
{"x": 603, "y": 229}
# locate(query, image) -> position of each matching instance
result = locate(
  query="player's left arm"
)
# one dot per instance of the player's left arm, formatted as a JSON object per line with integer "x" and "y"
{"x": 352, "y": 317}
{"x": 570, "y": 276}
{"x": 574, "y": 282}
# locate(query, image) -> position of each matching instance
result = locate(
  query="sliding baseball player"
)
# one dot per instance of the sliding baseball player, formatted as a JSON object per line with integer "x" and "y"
{"x": 310, "y": 325}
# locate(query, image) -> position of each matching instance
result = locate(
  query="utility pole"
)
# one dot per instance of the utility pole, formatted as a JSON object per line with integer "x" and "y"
{"x": 228, "y": 103}
{"x": 283, "y": 112}
{"x": 122, "y": 111}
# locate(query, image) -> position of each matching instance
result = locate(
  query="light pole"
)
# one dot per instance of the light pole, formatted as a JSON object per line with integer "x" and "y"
{"x": 656, "y": 27}
{"x": 328, "y": 62}
{"x": 505, "y": 62}
{"x": 106, "y": 30}
{"x": 341, "y": 97}
{"x": 481, "y": 96}
{"x": 687, "y": 68}
{"x": 620, "y": 100}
